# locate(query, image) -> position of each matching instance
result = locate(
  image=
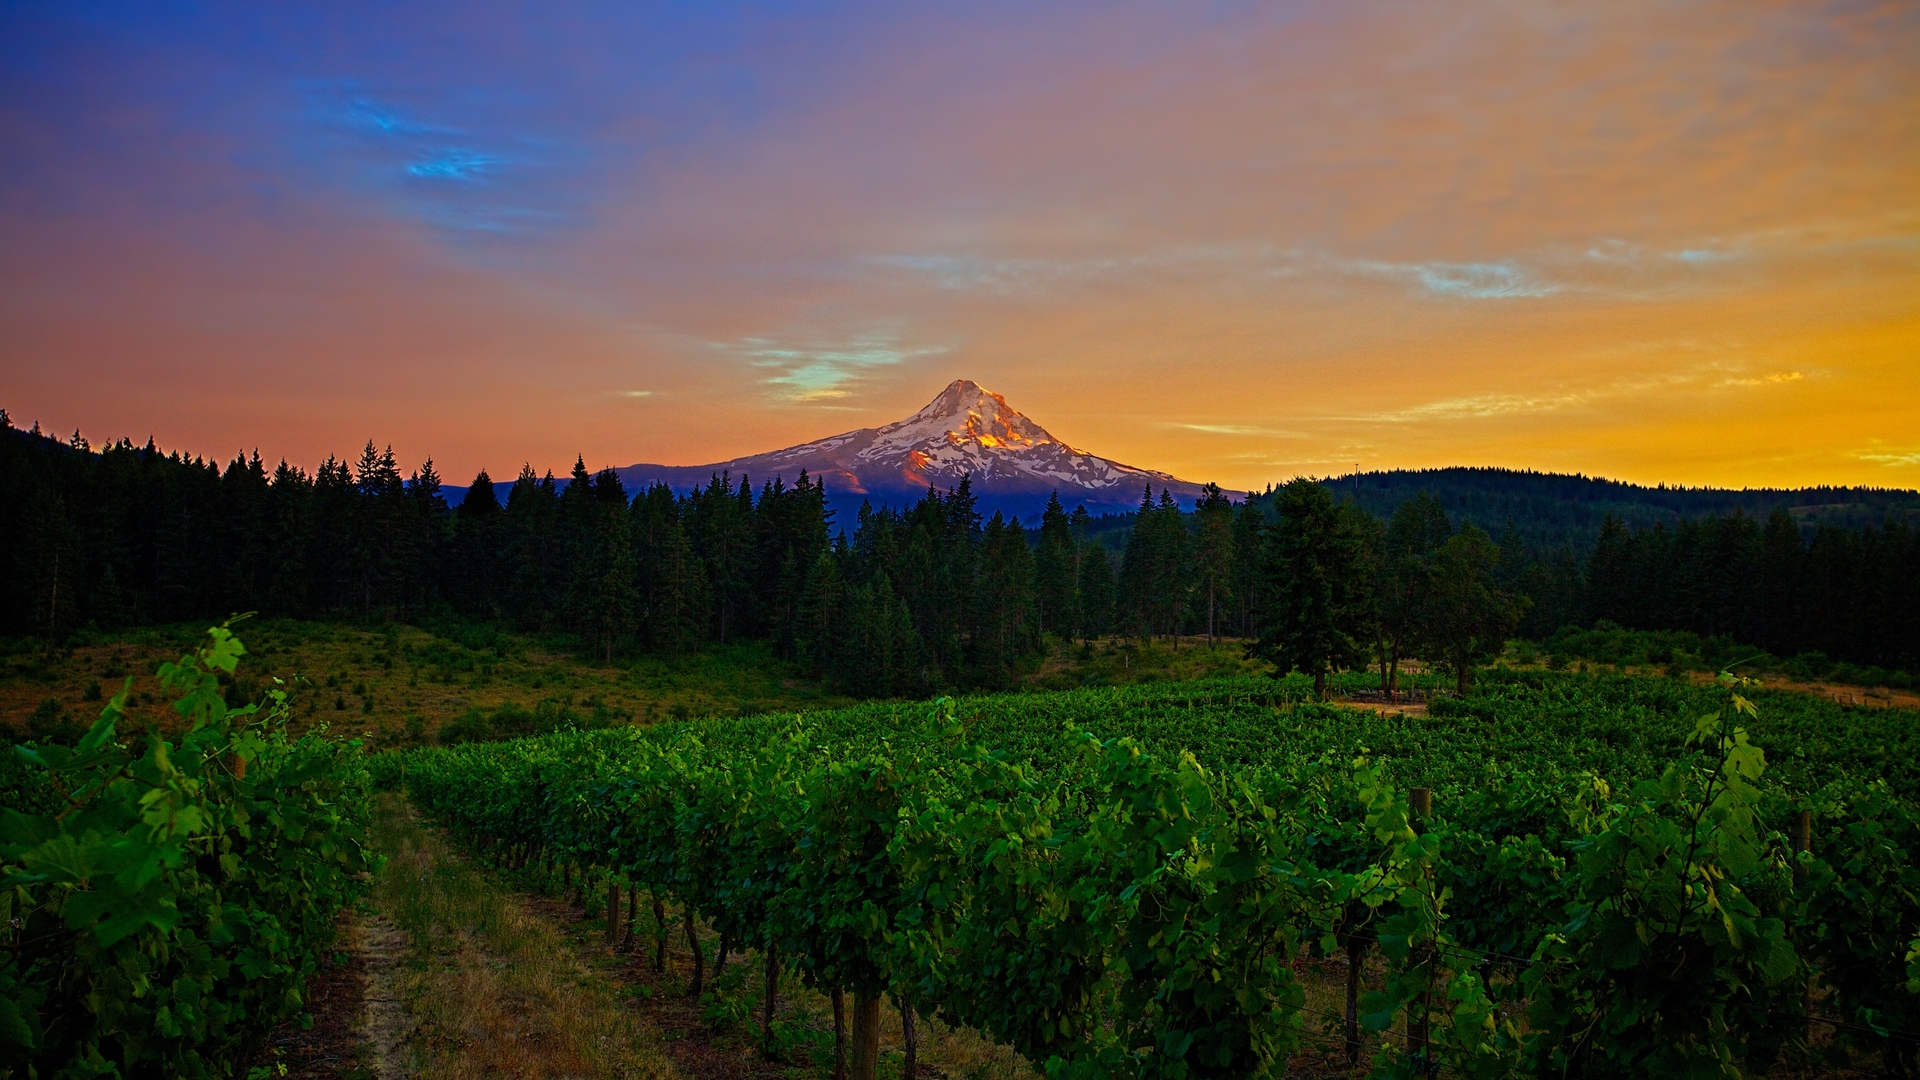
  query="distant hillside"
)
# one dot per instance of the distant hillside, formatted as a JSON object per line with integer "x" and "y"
{"x": 1556, "y": 511}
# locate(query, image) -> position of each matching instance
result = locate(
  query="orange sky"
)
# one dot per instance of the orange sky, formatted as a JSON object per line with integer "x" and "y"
{"x": 1657, "y": 242}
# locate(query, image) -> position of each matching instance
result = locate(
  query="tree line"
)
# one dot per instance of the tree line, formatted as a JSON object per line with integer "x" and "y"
{"x": 900, "y": 600}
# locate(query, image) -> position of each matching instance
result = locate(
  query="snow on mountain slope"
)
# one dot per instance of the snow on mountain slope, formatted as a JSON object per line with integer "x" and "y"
{"x": 967, "y": 430}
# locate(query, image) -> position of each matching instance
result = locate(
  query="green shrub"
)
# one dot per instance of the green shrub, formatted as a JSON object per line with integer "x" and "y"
{"x": 164, "y": 915}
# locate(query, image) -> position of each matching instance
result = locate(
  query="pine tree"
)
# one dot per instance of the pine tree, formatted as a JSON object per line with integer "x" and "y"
{"x": 49, "y": 562}
{"x": 719, "y": 525}
{"x": 1469, "y": 616}
{"x": 1096, "y": 590}
{"x": 820, "y": 622}
{"x": 1403, "y": 581}
{"x": 1080, "y": 524}
{"x": 529, "y": 527}
{"x": 681, "y": 608}
{"x": 606, "y": 593}
{"x": 1316, "y": 565}
{"x": 1213, "y": 552}
{"x": 422, "y": 540}
{"x": 1249, "y": 566}
{"x": 1610, "y": 574}
{"x": 1133, "y": 592}
{"x": 1005, "y": 594}
{"x": 1054, "y": 569}
{"x": 477, "y": 550}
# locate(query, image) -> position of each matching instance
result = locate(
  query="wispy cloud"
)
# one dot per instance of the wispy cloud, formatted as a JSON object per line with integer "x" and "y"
{"x": 1698, "y": 256}
{"x": 1478, "y": 406}
{"x": 816, "y": 371}
{"x": 463, "y": 165}
{"x": 964, "y": 271}
{"x": 1887, "y": 456}
{"x": 1481, "y": 281}
{"x": 1496, "y": 280}
{"x": 1773, "y": 379}
{"x": 370, "y": 114}
{"x": 1239, "y": 429}
{"x": 630, "y": 393}
{"x": 457, "y": 177}
{"x": 1695, "y": 379}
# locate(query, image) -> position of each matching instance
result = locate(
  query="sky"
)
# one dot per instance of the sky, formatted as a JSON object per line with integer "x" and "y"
{"x": 1239, "y": 242}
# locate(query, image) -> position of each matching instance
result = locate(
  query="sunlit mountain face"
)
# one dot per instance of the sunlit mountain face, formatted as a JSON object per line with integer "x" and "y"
{"x": 967, "y": 431}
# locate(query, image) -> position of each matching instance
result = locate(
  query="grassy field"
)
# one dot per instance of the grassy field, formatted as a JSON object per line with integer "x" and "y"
{"x": 404, "y": 685}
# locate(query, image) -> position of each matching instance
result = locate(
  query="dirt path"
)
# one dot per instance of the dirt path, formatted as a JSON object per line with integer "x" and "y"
{"x": 384, "y": 1025}
{"x": 461, "y": 980}
{"x": 333, "y": 1048}
{"x": 719, "y": 1035}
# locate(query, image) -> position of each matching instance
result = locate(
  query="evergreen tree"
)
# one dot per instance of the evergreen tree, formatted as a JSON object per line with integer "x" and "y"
{"x": 680, "y": 608}
{"x": 48, "y": 561}
{"x": 1006, "y": 630}
{"x": 1610, "y": 575}
{"x": 1213, "y": 552}
{"x": 791, "y": 527}
{"x": 820, "y": 624}
{"x": 1139, "y": 565}
{"x": 1156, "y": 568}
{"x": 1403, "y": 581}
{"x": 1249, "y": 563}
{"x": 719, "y": 524}
{"x": 1054, "y": 569}
{"x": 531, "y": 528}
{"x": 1468, "y": 616}
{"x": 1317, "y": 573}
{"x": 606, "y": 593}
{"x": 477, "y": 574}
{"x": 421, "y": 543}
{"x": 288, "y": 528}
{"x": 1778, "y": 616}
{"x": 1096, "y": 590}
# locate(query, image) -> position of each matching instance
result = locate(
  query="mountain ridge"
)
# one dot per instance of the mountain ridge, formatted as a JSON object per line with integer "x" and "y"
{"x": 1014, "y": 463}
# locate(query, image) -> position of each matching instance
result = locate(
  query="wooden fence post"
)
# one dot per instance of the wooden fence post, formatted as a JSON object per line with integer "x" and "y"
{"x": 1419, "y": 808}
{"x": 770, "y": 1000}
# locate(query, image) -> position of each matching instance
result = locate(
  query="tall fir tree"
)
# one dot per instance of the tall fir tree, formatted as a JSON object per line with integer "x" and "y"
{"x": 1054, "y": 569}
{"x": 1317, "y": 570}
{"x": 1213, "y": 551}
{"x": 1468, "y": 617}
{"x": 1403, "y": 582}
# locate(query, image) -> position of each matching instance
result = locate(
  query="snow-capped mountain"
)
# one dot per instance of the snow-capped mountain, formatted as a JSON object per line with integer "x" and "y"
{"x": 967, "y": 430}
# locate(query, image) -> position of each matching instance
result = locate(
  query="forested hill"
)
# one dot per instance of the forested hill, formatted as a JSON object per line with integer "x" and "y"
{"x": 1551, "y": 512}
{"x": 1555, "y": 511}
{"x": 908, "y": 600}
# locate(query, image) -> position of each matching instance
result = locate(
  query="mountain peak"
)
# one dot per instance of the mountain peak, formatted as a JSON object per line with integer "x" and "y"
{"x": 966, "y": 430}
{"x": 967, "y": 413}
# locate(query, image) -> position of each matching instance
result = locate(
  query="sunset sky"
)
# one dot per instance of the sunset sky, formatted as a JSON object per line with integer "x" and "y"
{"x": 1669, "y": 242}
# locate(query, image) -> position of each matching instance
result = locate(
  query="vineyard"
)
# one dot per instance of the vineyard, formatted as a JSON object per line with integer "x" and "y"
{"x": 1560, "y": 875}
{"x": 166, "y": 901}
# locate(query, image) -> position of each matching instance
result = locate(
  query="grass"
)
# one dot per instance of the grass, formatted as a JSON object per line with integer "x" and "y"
{"x": 487, "y": 987}
{"x": 498, "y": 973}
{"x": 468, "y": 917}
{"x": 1123, "y": 661}
{"x": 399, "y": 685}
